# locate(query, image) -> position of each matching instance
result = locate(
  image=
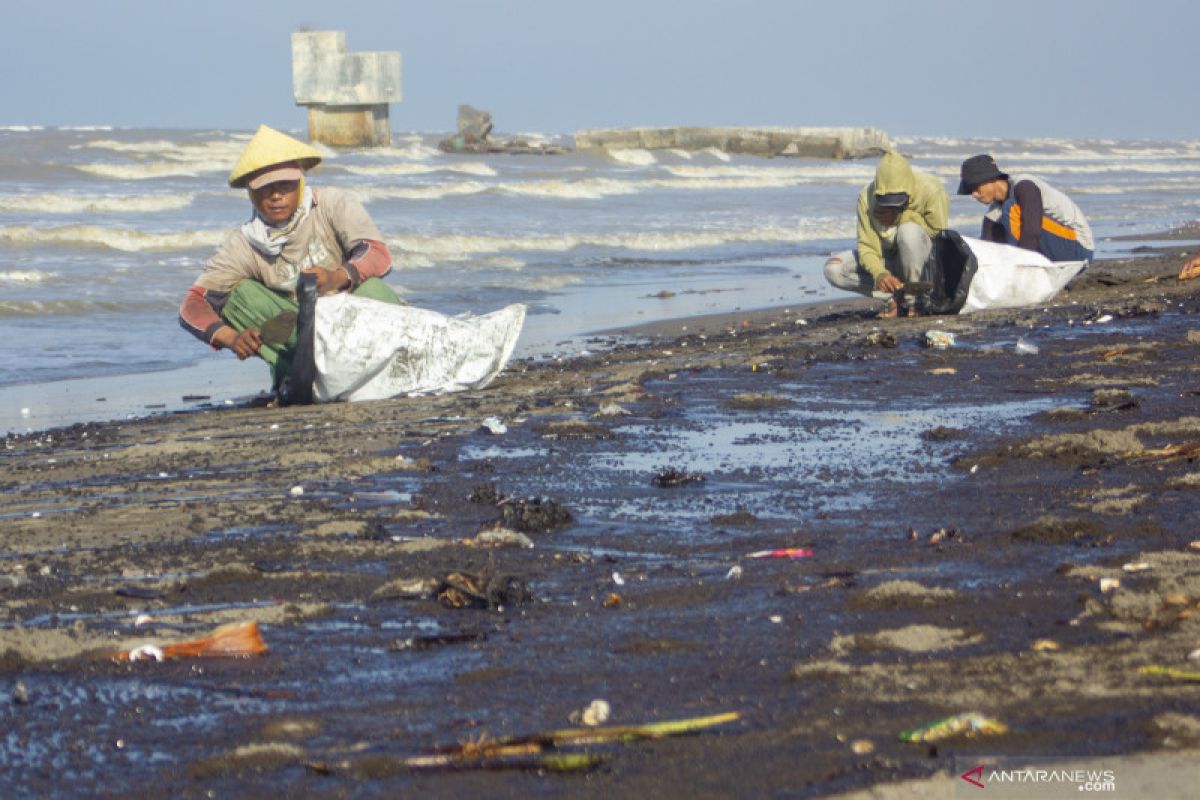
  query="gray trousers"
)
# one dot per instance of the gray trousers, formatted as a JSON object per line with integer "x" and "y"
{"x": 905, "y": 261}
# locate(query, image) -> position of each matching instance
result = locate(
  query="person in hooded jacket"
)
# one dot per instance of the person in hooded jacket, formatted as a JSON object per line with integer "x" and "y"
{"x": 899, "y": 213}
{"x": 295, "y": 229}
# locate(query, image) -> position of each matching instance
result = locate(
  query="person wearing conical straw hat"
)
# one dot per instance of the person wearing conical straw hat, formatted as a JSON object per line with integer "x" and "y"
{"x": 295, "y": 229}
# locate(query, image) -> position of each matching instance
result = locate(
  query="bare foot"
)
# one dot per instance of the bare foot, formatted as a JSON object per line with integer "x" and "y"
{"x": 890, "y": 311}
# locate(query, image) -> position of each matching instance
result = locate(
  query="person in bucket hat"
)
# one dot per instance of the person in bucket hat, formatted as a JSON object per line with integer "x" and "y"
{"x": 899, "y": 213}
{"x": 1026, "y": 211}
{"x": 295, "y": 232}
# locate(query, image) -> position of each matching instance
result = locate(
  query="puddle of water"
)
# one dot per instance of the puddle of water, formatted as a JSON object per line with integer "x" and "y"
{"x": 477, "y": 453}
{"x": 59, "y": 618}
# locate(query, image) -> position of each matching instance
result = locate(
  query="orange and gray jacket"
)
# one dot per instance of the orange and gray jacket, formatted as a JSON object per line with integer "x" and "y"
{"x": 928, "y": 206}
{"x": 1036, "y": 216}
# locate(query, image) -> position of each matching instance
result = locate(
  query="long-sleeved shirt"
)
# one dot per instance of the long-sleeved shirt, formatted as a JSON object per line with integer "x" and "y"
{"x": 337, "y": 233}
{"x": 1036, "y": 216}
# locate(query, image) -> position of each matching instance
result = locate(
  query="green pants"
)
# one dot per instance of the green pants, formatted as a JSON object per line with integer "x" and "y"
{"x": 252, "y": 305}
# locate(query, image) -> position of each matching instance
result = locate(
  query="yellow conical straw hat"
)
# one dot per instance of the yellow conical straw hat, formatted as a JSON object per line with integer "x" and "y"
{"x": 268, "y": 148}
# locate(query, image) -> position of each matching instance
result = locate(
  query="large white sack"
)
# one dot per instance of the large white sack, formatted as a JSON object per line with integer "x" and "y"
{"x": 367, "y": 350}
{"x": 1008, "y": 276}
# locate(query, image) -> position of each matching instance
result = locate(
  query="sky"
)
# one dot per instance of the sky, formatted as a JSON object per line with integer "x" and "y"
{"x": 1021, "y": 68}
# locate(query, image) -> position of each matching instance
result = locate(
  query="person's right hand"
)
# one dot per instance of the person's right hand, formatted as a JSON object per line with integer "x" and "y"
{"x": 244, "y": 343}
{"x": 247, "y": 343}
{"x": 889, "y": 283}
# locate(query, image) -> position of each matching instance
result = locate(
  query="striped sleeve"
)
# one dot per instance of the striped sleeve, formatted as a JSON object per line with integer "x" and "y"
{"x": 368, "y": 258}
{"x": 200, "y": 313}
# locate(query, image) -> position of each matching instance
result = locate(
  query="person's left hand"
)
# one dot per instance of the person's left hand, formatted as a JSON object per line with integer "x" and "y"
{"x": 329, "y": 281}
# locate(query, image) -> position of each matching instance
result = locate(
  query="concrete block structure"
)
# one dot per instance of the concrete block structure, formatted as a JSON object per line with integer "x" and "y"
{"x": 347, "y": 94}
{"x": 770, "y": 142}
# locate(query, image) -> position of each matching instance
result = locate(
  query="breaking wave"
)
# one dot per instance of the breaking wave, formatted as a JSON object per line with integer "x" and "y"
{"x": 29, "y": 308}
{"x": 467, "y": 168}
{"x": 129, "y": 241}
{"x": 26, "y": 276}
{"x": 78, "y": 204}
{"x": 465, "y": 247}
{"x": 634, "y": 157}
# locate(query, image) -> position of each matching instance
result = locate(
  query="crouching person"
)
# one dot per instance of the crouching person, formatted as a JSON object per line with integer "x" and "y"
{"x": 898, "y": 214}
{"x": 295, "y": 230}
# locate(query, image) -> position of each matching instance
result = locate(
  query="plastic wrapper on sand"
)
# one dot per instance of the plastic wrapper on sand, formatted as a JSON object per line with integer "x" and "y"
{"x": 972, "y": 275}
{"x": 367, "y": 350}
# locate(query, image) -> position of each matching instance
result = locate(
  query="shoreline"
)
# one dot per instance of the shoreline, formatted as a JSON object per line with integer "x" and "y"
{"x": 926, "y": 591}
{"x": 677, "y": 307}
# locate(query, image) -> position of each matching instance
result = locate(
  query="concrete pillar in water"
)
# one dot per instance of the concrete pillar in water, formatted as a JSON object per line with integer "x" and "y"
{"x": 347, "y": 94}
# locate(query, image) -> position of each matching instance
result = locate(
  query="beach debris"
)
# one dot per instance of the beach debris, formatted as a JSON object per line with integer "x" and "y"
{"x": 967, "y": 724}
{"x": 1109, "y": 585}
{"x": 1194, "y": 545}
{"x": 735, "y": 573}
{"x": 1045, "y": 646}
{"x": 943, "y": 371}
{"x": 941, "y": 433}
{"x": 1169, "y": 452}
{"x": 572, "y": 429}
{"x": 146, "y": 652}
{"x": 755, "y": 401}
{"x": 740, "y": 518}
{"x": 436, "y": 640}
{"x": 671, "y": 477}
{"x": 534, "y": 515}
{"x": 139, "y": 592}
{"x": 1136, "y": 566}
{"x": 494, "y": 426}
{"x": 617, "y": 579}
{"x": 880, "y": 339}
{"x": 1024, "y": 347}
{"x": 1194, "y": 655}
{"x": 20, "y": 694}
{"x": 1159, "y": 671}
{"x": 613, "y": 600}
{"x": 596, "y": 713}
{"x": 663, "y": 294}
{"x": 236, "y": 640}
{"x": 142, "y": 619}
{"x": 467, "y": 590}
{"x": 611, "y": 409}
{"x": 499, "y": 537}
{"x": 539, "y": 750}
{"x": 296, "y": 491}
{"x": 12, "y": 581}
{"x": 862, "y": 747}
{"x": 782, "y": 552}
{"x": 947, "y": 534}
{"x": 775, "y": 619}
{"x": 1103, "y": 318}
{"x": 939, "y": 340}
{"x": 407, "y": 589}
{"x": 485, "y": 494}
{"x": 1113, "y": 400}
{"x": 25, "y": 412}
{"x": 1191, "y": 269}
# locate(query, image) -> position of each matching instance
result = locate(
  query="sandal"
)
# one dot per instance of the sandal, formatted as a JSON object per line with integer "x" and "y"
{"x": 890, "y": 311}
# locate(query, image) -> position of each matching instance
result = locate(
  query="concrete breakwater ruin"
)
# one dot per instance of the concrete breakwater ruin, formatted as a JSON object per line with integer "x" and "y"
{"x": 835, "y": 143}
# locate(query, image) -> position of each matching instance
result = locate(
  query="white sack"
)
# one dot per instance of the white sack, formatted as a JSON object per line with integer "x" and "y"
{"x": 1008, "y": 276}
{"x": 367, "y": 350}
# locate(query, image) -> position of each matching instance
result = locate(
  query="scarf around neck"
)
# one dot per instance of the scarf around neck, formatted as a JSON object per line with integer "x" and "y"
{"x": 270, "y": 240}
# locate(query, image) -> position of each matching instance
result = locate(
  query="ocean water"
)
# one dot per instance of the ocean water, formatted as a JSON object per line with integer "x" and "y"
{"x": 102, "y": 231}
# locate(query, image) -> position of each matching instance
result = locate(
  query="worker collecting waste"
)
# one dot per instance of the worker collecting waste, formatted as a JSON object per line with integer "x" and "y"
{"x": 300, "y": 286}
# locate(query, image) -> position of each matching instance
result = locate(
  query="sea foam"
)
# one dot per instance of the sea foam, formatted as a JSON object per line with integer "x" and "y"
{"x": 126, "y": 240}
{"x": 78, "y": 204}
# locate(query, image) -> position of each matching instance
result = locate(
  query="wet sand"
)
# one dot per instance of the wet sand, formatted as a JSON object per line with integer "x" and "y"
{"x": 1003, "y": 532}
